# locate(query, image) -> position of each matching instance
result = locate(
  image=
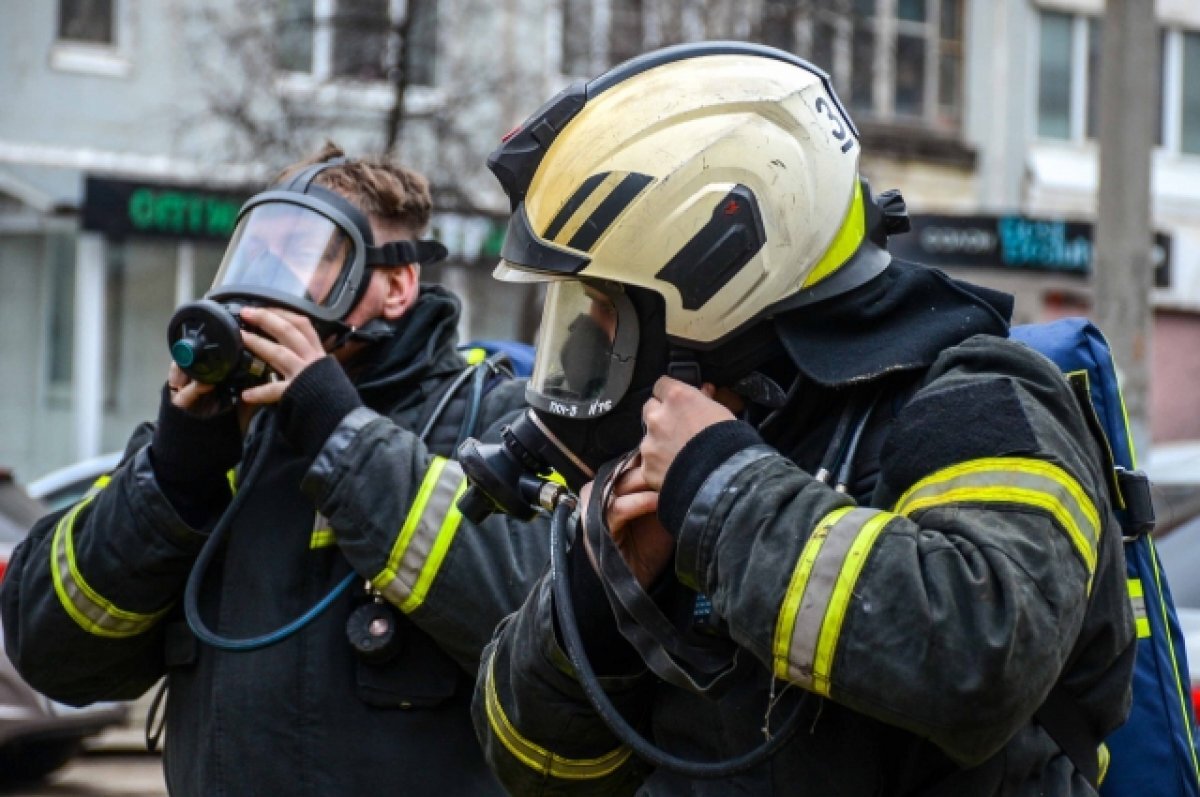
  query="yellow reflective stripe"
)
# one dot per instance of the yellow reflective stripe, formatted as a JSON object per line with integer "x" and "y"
{"x": 588, "y": 207}
{"x": 537, "y": 758}
{"x": 1105, "y": 759}
{"x": 844, "y": 244}
{"x": 1181, "y": 691}
{"x": 322, "y": 538}
{"x": 425, "y": 538}
{"x": 433, "y": 562}
{"x": 819, "y": 595}
{"x": 231, "y": 477}
{"x": 414, "y": 516}
{"x": 1013, "y": 480}
{"x": 831, "y": 629}
{"x": 101, "y": 482}
{"x": 86, "y": 607}
{"x": 1137, "y": 598}
{"x": 786, "y": 623}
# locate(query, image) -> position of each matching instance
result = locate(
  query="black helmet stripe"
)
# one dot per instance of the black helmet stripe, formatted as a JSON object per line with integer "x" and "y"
{"x": 608, "y": 210}
{"x": 578, "y": 198}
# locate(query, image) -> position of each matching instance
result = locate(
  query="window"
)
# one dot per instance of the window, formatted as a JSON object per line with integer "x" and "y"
{"x": 905, "y": 59}
{"x": 60, "y": 315}
{"x": 93, "y": 37}
{"x": 90, "y": 21}
{"x": 1184, "y": 87}
{"x": 1068, "y": 104}
{"x": 357, "y": 40}
{"x": 576, "y": 38}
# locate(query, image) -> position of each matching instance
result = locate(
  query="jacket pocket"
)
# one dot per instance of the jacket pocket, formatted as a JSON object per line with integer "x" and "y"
{"x": 419, "y": 676}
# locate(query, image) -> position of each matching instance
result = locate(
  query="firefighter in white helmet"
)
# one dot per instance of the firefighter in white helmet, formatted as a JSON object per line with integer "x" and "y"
{"x": 849, "y": 504}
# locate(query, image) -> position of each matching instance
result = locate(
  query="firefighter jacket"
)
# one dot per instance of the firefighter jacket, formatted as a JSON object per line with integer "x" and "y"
{"x": 918, "y": 627}
{"x": 92, "y": 601}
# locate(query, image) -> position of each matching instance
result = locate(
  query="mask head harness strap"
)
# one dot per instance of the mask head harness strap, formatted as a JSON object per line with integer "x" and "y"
{"x": 387, "y": 255}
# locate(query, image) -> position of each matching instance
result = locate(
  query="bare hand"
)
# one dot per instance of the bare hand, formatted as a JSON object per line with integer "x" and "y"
{"x": 675, "y": 414}
{"x": 291, "y": 346}
{"x": 644, "y": 544}
{"x": 191, "y": 396}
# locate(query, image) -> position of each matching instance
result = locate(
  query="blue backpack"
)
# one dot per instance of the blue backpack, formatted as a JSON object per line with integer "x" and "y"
{"x": 1154, "y": 753}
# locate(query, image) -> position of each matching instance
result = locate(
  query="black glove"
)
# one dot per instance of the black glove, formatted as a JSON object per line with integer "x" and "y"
{"x": 314, "y": 404}
{"x": 192, "y": 456}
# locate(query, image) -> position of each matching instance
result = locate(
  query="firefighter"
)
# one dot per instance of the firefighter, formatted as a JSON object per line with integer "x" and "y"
{"x": 350, "y": 513}
{"x": 855, "y": 509}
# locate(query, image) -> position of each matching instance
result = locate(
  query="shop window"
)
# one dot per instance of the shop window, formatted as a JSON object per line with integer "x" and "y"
{"x": 60, "y": 315}
{"x": 356, "y": 39}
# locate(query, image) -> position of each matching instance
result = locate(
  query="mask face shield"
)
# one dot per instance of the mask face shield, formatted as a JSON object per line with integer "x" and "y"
{"x": 291, "y": 252}
{"x": 587, "y": 349}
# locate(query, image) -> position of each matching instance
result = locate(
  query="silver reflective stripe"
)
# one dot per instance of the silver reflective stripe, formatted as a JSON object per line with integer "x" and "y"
{"x": 832, "y": 548}
{"x": 425, "y": 537}
{"x": 87, "y": 608}
{"x": 1014, "y": 480}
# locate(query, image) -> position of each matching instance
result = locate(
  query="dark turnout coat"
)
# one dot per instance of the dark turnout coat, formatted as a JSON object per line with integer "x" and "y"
{"x": 925, "y": 619}
{"x": 92, "y": 599}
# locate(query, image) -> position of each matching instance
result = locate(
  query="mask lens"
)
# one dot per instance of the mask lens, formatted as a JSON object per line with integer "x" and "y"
{"x": 576, "y": 349}
{"x": 289, "y": 249}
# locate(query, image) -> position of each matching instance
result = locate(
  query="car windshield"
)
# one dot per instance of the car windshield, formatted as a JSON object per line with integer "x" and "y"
{"x": 17, "y": 510}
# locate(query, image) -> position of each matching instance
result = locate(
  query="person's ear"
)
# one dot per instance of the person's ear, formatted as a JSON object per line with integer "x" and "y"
{"x": 402, "y": 288}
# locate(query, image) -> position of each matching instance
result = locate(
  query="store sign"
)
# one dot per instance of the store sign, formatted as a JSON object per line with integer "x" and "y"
{"x": 1011, "y": 242}
{"x": 120, "y": 208}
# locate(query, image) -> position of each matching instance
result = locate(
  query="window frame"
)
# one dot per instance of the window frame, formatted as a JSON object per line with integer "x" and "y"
{"x": 112, "y": 59}
{"x": 888, "y": 28}
{"x": 374, "y": 94}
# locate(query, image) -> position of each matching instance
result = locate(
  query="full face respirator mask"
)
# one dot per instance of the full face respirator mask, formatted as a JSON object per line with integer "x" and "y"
{"x": 298, "y": 246}
{"x": 602, "y": 348}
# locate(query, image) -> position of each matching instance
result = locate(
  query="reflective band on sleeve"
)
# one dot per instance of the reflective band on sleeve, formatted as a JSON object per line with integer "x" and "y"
{"x": 425, "y": 537}
{"x": 1010, "y": 480}
{"x": 538, "y": 758}
{"x": 815, "y": 604}
{"x": 86, "y": 607}
{"x": 1137, "y": 598}
{"x": 322, "y": 534}
{"x": 1105, "y": 759}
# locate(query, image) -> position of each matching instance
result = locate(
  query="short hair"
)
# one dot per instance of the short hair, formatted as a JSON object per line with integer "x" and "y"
{"x": 395, "y": 195}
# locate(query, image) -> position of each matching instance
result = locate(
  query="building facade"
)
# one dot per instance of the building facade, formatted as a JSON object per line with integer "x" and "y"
{"x": 131, "y": 128}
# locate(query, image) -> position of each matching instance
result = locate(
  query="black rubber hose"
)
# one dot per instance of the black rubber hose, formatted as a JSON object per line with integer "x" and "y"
{"x": 642, "y": 748}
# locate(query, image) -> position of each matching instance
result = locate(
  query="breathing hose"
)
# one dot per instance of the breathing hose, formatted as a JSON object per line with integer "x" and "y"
{"x": 644, "y": 749}
{"x": 191, "y": 593}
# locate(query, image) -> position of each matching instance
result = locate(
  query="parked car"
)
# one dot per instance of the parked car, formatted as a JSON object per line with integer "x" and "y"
{"x": 37, "y": 735}
{"x": 67, "y": 485}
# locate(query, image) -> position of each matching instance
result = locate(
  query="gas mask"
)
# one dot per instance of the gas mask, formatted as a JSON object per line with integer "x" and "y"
{"x": 601, "y": 348}
{"x": 297, "y": 246}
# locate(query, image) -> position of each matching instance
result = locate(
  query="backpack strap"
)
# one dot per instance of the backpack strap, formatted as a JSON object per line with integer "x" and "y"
{"x": 483, "y": 377}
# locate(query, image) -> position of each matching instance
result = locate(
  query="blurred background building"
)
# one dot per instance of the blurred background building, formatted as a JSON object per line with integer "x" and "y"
{"x": 131, "y": 130}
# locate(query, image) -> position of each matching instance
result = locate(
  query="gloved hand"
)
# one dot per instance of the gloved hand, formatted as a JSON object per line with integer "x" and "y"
{"x": 191, "y": 454}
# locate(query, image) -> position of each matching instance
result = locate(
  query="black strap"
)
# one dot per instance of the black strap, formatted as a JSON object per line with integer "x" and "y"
{"x": 399, "y": 253}
{"x": 1062, "y": 718}
{"x": 696, "y": 663}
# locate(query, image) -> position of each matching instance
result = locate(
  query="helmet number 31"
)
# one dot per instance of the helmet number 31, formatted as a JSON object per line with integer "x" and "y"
{"x": 839, "y": 127}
